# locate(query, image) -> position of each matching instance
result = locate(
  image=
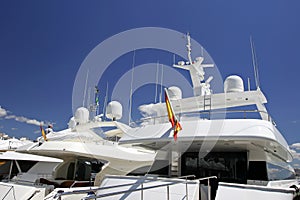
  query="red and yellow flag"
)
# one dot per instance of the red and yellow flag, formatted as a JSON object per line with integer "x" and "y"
{"x": 43, "y": 133}
{"x": 177, "y": 128}
{"x": 172, "y": 118}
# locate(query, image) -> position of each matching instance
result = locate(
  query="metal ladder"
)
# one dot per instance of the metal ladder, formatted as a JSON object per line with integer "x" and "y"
{"x": 207, "y": 104}
{"x": 174, "y": 164}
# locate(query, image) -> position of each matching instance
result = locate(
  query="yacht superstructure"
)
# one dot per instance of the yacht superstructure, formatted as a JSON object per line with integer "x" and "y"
{"x": 228, "y": 142}
{"x": 80, "y": 156}
{"x": 220, "y": 135}
{"x": 90, "y": 149}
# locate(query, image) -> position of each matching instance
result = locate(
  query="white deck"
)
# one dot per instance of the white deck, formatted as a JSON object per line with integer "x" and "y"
{"x": 228, "y": 191}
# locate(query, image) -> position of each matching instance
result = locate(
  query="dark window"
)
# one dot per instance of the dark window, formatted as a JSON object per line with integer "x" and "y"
{"x": 263, "y": 171}
{"x": 70, "y": 173}
{"x": 257, "y": 171}
{"x": 227, "y": 166}
{"x": 5, "y": 167}
{"x": 25, "y": 165}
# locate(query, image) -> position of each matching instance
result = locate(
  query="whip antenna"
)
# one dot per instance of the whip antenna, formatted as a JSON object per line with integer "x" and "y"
{"x": 161, "y": 82}
{"x": 156, "y": 81}
{"x": 85, "y": 87}
{"x": 105, "y": 102}
{"x": 131, "y": 85}
{"x": 255, "y": 64}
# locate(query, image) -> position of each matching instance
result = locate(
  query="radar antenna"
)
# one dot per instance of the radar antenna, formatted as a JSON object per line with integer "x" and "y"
{"x": 196, "y": 69}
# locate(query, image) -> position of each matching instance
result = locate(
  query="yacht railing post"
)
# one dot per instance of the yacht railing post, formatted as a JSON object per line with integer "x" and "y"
{"x": 199, "y": 190}
{"x": 142, "y": 191}
{"x": 186, "y": 189}
{"x": 208, "y": 189}
{"x": 168, "y": 192}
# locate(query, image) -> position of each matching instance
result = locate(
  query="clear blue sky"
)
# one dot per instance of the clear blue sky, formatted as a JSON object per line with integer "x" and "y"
{"x": 43, "y": 43}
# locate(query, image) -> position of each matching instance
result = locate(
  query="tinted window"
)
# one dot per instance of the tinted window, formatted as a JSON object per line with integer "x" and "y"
{"x": 257, "y": 171}
{"x": 227, "y": 166}
{"x": 25, "y": 165}
{"x": 276, "y": 172}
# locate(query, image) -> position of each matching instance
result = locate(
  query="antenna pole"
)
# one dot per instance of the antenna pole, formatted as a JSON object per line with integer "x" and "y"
{"x": 174, "y": 58}
{"x": 249, "y": 84}
{"x": 189, "y": 48}
{"x": 89, "y": 105}
{"x": 85, "y": 87}
{"x": 161, "y": 82}
{"x": 156, "y": 81}
{"x": 256, "y": 65}
{"x": 254, "y": 62}
{"x": 131, "y": 85}
{"x": 105, "y": 102}
{"x": 96, "y": 100}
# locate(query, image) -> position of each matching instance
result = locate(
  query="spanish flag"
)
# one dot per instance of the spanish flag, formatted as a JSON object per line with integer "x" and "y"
{"x": 172, "y": 118}
{"x": 43, "y": 132}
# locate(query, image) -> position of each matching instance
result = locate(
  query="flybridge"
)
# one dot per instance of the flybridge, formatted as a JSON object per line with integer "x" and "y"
{"x": 203, "y": 99}
{"x": 215, "y": 102}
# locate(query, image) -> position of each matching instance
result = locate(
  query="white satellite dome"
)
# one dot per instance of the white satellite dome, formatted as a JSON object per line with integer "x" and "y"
{"x": 81, "y": 115}
{"x": 174, "y": 93}
{"x": 233, "y": 83}
{"x": 114, "y": 110}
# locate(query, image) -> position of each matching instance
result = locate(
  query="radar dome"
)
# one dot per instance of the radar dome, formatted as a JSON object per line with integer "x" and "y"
{"x": 81, "y": 115}
{"x": 174, "y": 93}
{"x": 114, "y": 110}
{"x": 233, "y": 83}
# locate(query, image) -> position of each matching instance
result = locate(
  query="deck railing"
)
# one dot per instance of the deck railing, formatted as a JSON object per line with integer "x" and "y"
{"x": 10, "y": 190}
{"x": 91, "y": 193}
{"x": 210, "y": 114}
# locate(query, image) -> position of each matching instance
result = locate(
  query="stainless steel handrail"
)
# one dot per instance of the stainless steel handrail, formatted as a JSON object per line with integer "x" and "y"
{"x": 143, "y": 188}
{"x": 13, "y": 191}
{"x": 206, "y": 112}
{"x": 156, "y": 186}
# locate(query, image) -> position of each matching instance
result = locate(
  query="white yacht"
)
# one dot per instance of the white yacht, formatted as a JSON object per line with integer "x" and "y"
{"x": 7, "y": 143}
{"x": 90, "y": 149}
{"x": 79, "y": 156}
{"x": 20, "y": 175}
{"x": 228, "y": 144}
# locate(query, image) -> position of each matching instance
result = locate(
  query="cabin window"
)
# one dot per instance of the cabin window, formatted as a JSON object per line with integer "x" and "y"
{"x": 257, "y": 171}
{"x": 276, "y": 172}
{"x": 87, "y": 169}
{"x": 4, "y": 169}
{"x": 264, "y": 171}
{"x": 25, "y": 165}
{"x": 227, "y": 166}
{"x": 5, "y": 166}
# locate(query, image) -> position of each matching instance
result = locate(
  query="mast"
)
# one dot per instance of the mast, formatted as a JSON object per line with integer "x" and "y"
{"x": 196, "y": 69}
